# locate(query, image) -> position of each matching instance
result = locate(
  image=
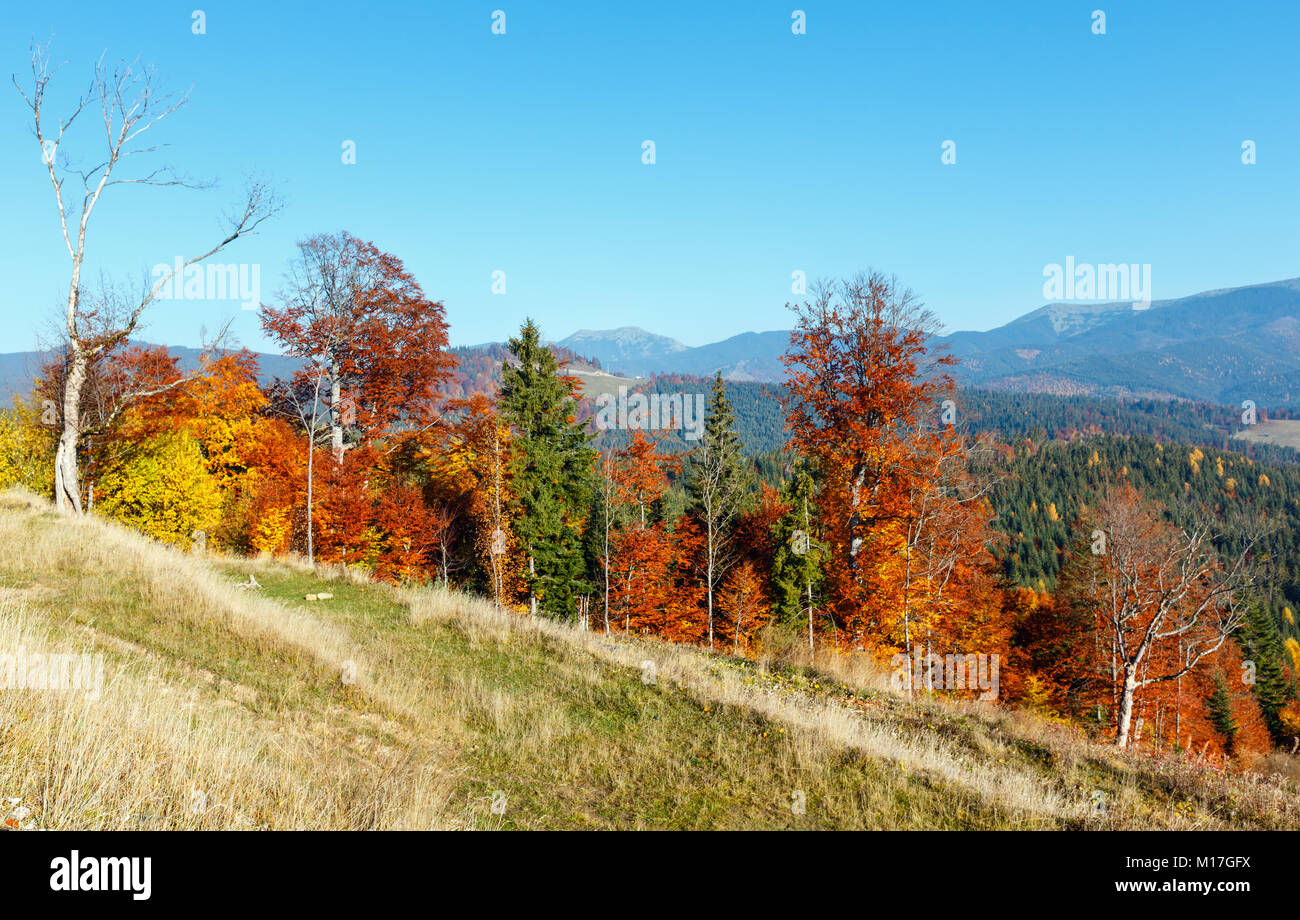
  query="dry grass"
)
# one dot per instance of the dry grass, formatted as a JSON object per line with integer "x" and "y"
{"x": 1029, "y": 771}
{"x": 152, "y": 754}
{"x": 173, "y": 741}
{"x": 231, "y": 708}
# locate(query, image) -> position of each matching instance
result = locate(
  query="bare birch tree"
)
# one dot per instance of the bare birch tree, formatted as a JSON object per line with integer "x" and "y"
{"x": 1154, "y": 586}
{"x": 129, "y": 104}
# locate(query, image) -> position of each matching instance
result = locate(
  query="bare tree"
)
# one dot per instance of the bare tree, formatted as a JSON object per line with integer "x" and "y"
{"x": 446, "y": 531}
{"x": 1163, "y": 599}
{"x": 129, "y": 105}
{"x": 300, "y": 399}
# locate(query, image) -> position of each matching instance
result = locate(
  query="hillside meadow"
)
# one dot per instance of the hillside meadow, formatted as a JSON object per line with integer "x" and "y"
{"x": 230, "y": 701}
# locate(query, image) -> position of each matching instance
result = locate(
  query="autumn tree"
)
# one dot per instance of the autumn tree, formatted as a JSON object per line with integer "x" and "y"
{"x": 638, "y": 556}
{"x": 127, "y": 397}
{"x": 411, "y": 533}
{"x": 274, "y": 492}
{"x": 944, "y": 578}
{"x": 375, "y": 359}
{"x": 347, "y": 530}
{"x": 1163, "y": 600}
{"x": 130, "y": 104}
{"x": 163, "y": 488}
{"x": 299, "y": 400}
{"x": 552, "y": 469}
{"x": 472, "y": 473}
{"x": 744, "y": 602}
{"x": 1055, "y": 643}
{"x": 717, "y": 481}
{"x": 223, "y": 406}
{"x": 365, "y": 328}
{"x": 26, "y": 447}
{"x": 860, "y": 377}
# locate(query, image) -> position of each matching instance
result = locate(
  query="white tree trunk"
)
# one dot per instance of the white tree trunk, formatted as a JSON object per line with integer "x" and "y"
{"x": 1127, "y": 694}
{"x": 67, "y": 481}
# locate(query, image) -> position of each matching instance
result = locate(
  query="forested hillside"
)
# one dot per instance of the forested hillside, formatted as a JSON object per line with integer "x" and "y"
{"x": 867, "y": 507}
{"x": 1043, "y": 487}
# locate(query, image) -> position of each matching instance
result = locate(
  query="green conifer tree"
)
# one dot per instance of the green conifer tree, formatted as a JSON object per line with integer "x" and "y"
{"x": 797, "y": 560}
{"x": 553, "y": 470}
{"x": 717, "y": 481}
{"x": 1261, "y": 644}
{"x": 1219, "y": 705}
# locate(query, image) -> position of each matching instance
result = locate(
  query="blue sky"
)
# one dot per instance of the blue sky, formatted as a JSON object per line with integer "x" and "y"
{"x": 775, "y": 152}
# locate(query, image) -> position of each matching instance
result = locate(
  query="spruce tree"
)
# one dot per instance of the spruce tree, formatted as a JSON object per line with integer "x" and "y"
{"x": 553, "y": 469}
{"x": 1261, "y": 643}
{"x": 717, "y": 482}
{"x": 797, "y": 560}
{"x": 1219, "y": 706}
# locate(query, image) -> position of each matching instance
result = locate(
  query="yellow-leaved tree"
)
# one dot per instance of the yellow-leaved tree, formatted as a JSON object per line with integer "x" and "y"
{"x": 164, "y": 488}
{"x": 26, "y": 449}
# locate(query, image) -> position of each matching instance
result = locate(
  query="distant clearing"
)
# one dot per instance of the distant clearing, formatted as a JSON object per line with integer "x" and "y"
{"x": 596, "y": 383}
{"x": 1282, "y": 432}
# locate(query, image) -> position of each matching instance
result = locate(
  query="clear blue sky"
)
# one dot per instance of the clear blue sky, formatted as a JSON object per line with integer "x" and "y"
{"x": 775, "y": 152}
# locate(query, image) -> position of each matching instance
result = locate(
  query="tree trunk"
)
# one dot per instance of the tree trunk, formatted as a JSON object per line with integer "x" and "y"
{"x": 336, "y": 418}
{"x": 810, "y": 624}
{"x": 607, "y": 565}
{"x": 311, "y": 453}
{"x": 710, "y": 585}
{"x": 532, "y": 597}
{"x": 67, "y": 482}
{"x": 807, "y": 528}
{"x": 1127, "y": 694}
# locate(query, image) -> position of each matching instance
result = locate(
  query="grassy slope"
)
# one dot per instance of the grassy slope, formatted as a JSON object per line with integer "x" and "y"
{"x": 228, "y": 707}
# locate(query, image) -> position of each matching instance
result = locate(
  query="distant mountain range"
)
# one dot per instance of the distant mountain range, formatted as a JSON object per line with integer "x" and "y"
{"x": 1218, "y": 346}
{"x": 1221, "y": 346}
{"x": 18, "y": 369}
{"x": 636, "y": 353}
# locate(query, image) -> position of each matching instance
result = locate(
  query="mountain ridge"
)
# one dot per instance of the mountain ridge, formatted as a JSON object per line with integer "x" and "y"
{"x": 1224, "y": 345}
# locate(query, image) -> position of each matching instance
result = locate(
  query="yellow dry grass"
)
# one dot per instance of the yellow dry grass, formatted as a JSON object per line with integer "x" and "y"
{"x": 386, "y": 707}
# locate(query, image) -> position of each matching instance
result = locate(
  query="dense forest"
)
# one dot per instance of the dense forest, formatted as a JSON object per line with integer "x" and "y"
{"x": 760, "y": 416}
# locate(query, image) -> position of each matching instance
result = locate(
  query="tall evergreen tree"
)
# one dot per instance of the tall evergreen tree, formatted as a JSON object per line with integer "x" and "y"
{"x": 1219, "y": 707}
{"x": 553, "y": 470}
{"x": 797, "y": 560}
{"x": 1261, "y": 643}
{"x": 717, "y": 480}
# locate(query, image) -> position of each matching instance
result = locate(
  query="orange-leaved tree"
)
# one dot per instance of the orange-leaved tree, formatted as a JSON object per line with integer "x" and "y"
{"x": 638, "y": 558}
{"x": 364, "y": 324}
{"x": 860, "y": 378}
